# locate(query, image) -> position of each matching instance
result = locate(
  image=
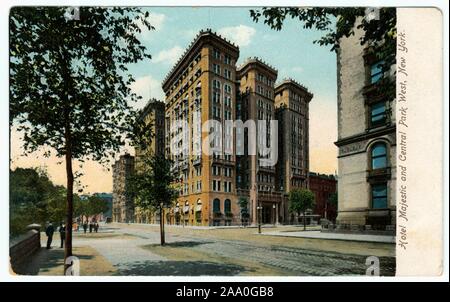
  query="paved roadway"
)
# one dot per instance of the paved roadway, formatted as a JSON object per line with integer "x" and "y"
{"x": 135, "y": 250}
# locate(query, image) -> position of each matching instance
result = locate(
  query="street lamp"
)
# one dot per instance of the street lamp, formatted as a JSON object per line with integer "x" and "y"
{"x": 259, "y": 208}
{"x": 274, "y": 214}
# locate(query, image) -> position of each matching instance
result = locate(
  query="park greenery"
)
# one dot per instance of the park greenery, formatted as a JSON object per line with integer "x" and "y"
{"x": 70, "y": 84}
{"x": 35, "y": 199}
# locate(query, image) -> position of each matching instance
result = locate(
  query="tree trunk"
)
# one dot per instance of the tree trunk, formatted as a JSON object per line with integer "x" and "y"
{"x": 304, "y": 221}
{"x": 161, "y": 224}
{"x": 69, "y": 214}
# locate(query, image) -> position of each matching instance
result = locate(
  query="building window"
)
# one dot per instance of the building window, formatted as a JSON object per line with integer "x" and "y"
{"x": 216, "y": 54}
{"x": 216, "y": 205}
{"x": 378, "y": 114}
{"x": 227, "y": 206}
{"x": 379, "y": 196}
{"x": 376, "y": 71}
{"x": 379, "y": 156}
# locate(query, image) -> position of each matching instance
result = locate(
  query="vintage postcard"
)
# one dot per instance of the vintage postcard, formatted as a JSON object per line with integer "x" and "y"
{"x": 258, "y": 142}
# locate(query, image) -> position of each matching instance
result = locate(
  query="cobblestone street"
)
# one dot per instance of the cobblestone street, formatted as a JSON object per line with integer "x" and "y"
{"x": 135, "y": 250}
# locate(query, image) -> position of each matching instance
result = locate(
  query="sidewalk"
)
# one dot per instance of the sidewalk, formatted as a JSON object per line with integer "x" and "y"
{"x": 51, "y": 262}
{"x": 334, "y": 236}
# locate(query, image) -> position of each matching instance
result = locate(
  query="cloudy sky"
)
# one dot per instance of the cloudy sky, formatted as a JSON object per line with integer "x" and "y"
{"x": 290, "y": 50}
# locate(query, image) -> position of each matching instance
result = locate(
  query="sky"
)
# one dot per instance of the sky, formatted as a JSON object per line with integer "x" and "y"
{"x": 291, "y": 51}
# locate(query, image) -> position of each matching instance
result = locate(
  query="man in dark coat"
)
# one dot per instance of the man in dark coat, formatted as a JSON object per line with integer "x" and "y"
{"x": 49, "y": 232}
{"x": 62, "y": 233}
{"x": 85, "y": 226}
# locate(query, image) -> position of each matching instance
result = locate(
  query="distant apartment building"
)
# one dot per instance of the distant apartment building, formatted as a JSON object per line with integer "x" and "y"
{"x": 123, "y": 205}
{"x": 206, "y": 85}
{"x": 153, "y": 115}
{"x": 366, "y": 138}
{"x": 324, "y": 187}
{"x": 292, "y": 112}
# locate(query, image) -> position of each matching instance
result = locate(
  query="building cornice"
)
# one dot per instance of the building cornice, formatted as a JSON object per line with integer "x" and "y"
{"x": 365, "y": 136}
{"x": 203, "y": 37}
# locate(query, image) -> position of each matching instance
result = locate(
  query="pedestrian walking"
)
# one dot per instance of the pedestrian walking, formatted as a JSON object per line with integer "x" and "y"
{"x": 49, "y": 232}
{"x": 91, "y": 226}
{"x": 85, "y": 226}
{"x": 62, "y": 233}
{"x": 96, "y": 227}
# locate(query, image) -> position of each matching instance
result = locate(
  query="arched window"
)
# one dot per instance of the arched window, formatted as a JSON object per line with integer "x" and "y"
{"x": 216, "y": 205}
{"x": 379, "y": 156}
{"x": 227, "y": 206}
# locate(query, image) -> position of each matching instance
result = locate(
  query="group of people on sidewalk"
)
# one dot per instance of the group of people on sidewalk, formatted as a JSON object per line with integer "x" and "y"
{"x": 50, "y": 230}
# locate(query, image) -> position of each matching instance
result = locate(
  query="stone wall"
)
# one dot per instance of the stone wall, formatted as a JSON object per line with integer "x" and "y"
{"x": 23, "y": 247}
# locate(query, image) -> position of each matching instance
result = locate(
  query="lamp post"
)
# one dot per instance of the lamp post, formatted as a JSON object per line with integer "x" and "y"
{"x": 259, "y": 208}
{"x": 274, "y": 214}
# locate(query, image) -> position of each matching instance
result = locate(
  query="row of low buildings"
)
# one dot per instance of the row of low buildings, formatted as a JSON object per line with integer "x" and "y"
{"x": 206, "y": 84}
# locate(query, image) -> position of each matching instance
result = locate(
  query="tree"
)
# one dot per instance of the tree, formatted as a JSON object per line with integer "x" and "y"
{"x": 96, "y": 205}
{"x": 380, "y": 33}
{"x": 301, "y": 200}
{"x": 69, "y": 82}
{"x": 152, "y": 186}
{"x": 243, "y": 204}
{"x": 34, "y": 199}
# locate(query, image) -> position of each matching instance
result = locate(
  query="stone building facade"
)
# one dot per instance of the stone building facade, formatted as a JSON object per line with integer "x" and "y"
{"x": 366, "y": 138}
{"x": 123, "y": 205}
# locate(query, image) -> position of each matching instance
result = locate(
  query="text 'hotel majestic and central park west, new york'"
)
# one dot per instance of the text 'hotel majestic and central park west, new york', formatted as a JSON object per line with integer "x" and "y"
{"x": 239, "y": 140}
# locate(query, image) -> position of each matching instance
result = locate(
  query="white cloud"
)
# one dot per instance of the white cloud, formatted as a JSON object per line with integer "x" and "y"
{"x": 147, "y": 87}
{"x": 297, "y": 69}
{"x": 240, "y": 34}
{"x": 155, "y": 20}
{"x": 169, "y": 56}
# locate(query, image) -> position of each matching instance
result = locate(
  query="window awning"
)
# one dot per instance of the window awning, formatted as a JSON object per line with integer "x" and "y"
{"x": 198, "y": 208}
{"x": 186, "y": 209}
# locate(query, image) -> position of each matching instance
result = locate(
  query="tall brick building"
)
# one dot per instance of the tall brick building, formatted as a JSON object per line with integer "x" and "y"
{"x": 205, "y": 84}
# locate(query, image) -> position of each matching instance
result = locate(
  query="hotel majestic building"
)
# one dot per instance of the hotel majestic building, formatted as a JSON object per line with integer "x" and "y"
{"x": 219, "y": 186}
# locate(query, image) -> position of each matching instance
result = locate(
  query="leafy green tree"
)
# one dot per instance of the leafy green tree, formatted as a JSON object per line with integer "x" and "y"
{"x": 301, "y": 200}
{"x": 152, "y": 186}
{"x": 70, "y": 85}
{"x": 34, "y": 199}
{"x": 379, "y": 34}
{"x": 243, "y": 204}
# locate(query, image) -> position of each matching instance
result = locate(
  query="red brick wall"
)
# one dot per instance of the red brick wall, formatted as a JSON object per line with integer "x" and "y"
{"x": 323, "y": 186}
